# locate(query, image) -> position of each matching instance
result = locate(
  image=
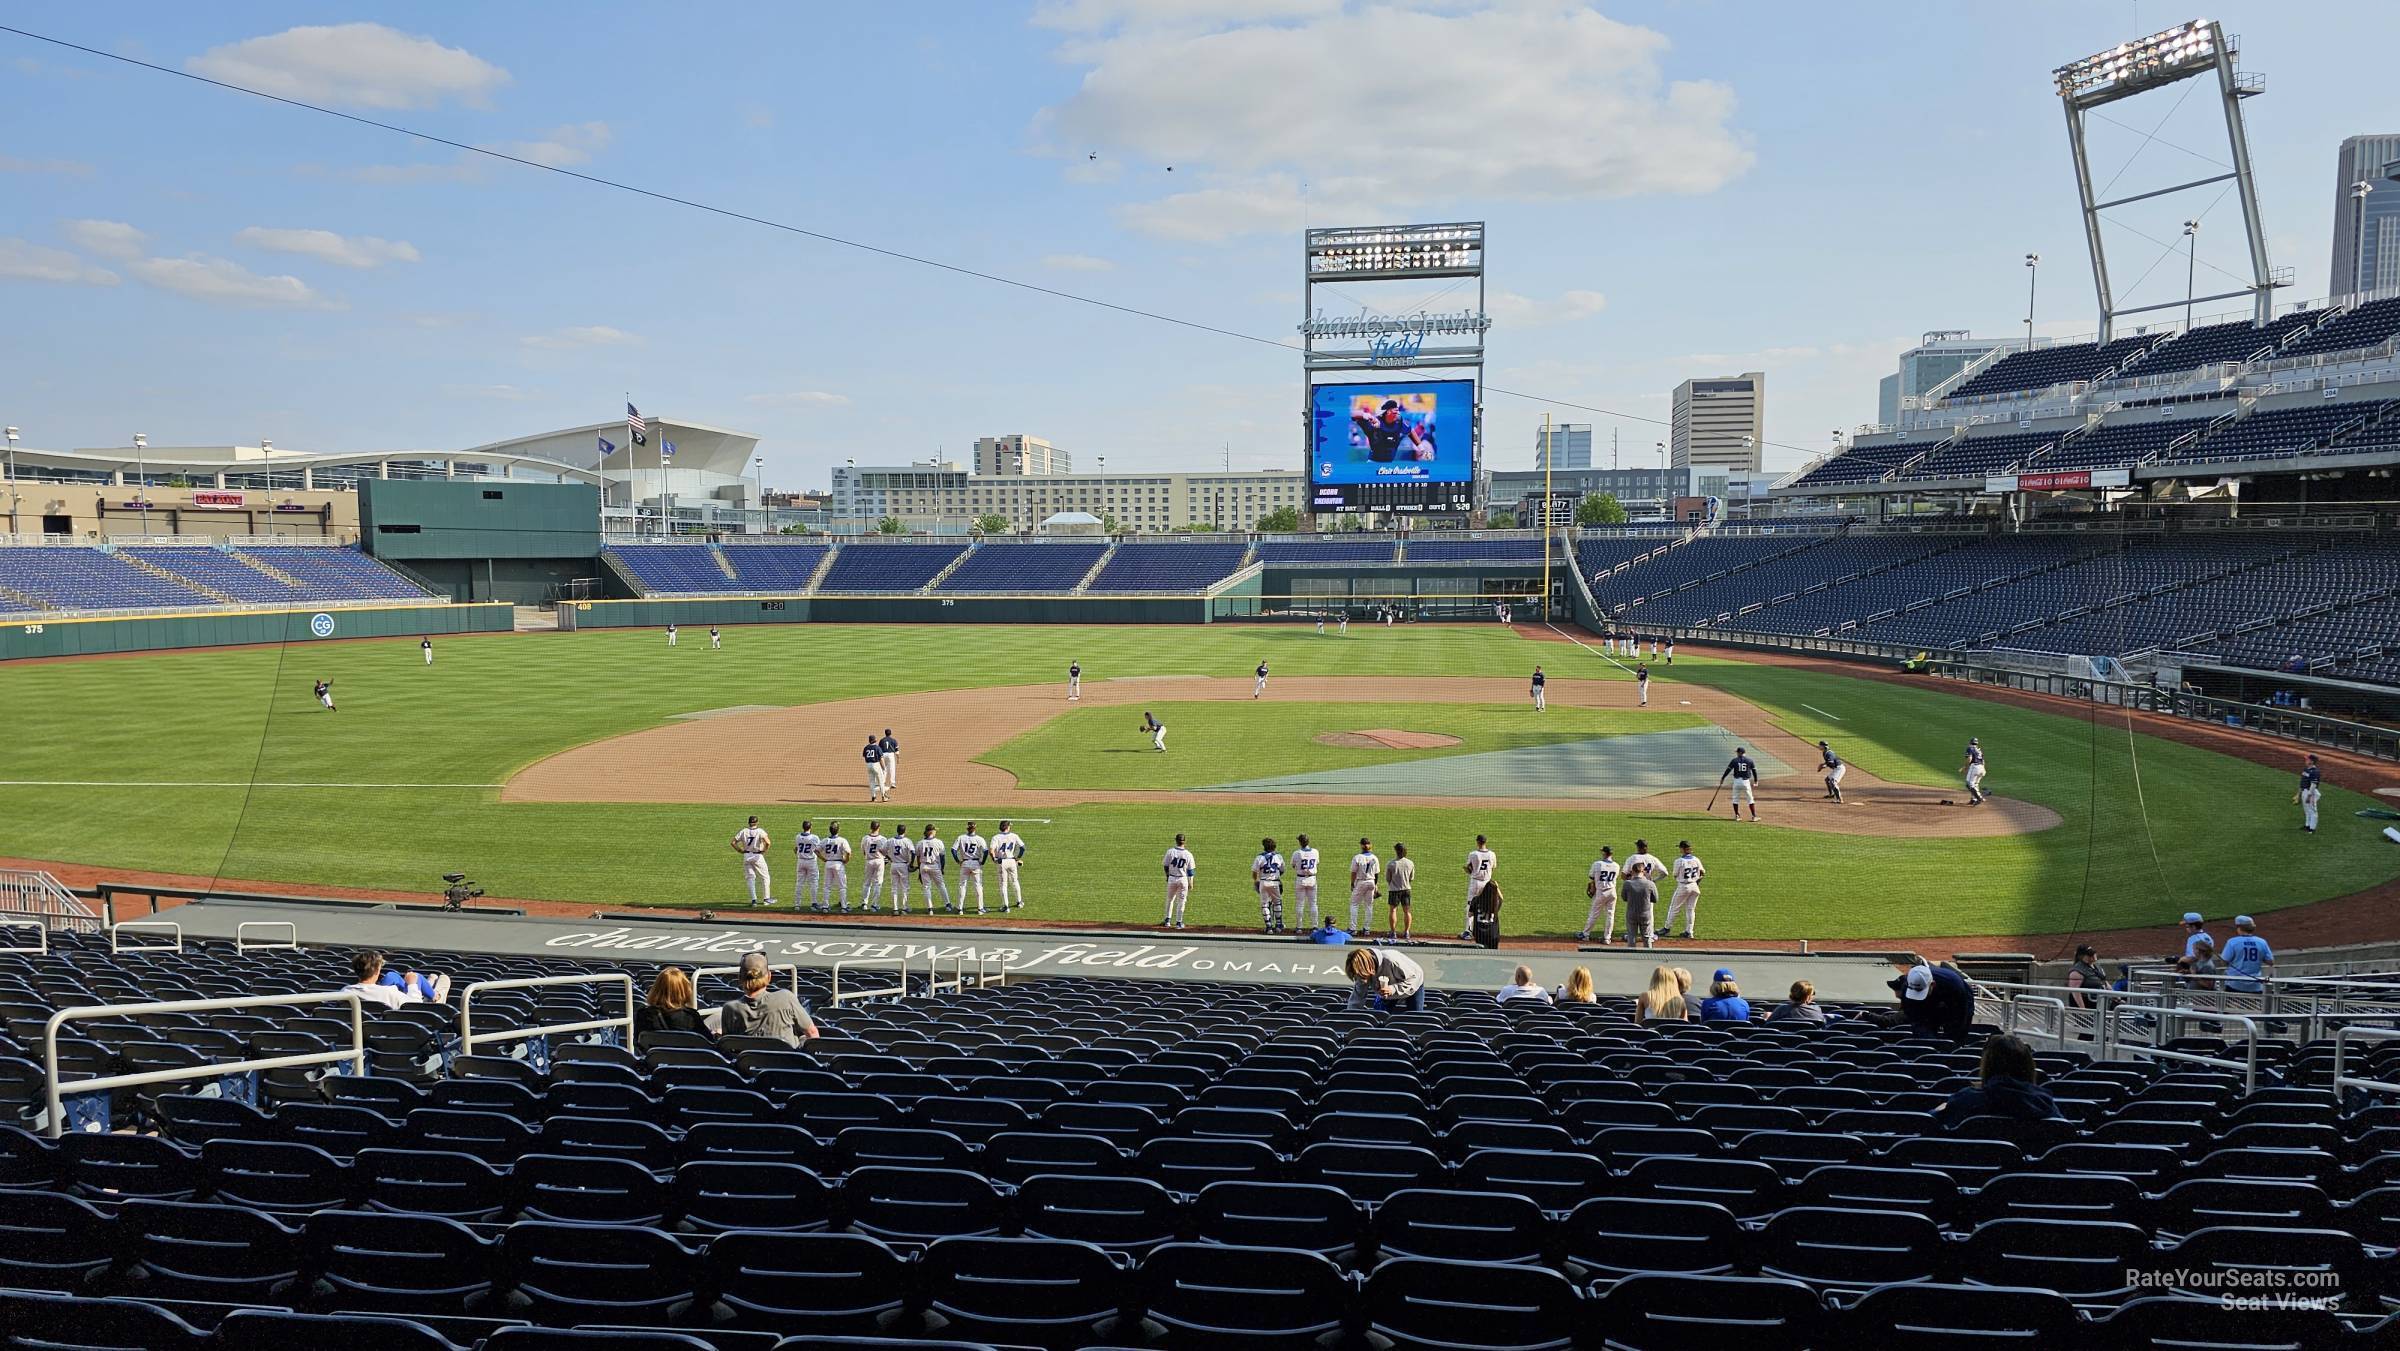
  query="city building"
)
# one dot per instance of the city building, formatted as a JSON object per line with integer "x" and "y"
{"x": 1020, "y": 454}
{"x": 942, "y": 496}
{"x": 1570, "y": 446}
{"x": 2366, "y": 234}
{"x": 1720, "y": 422}
{"x": 1941, "y": 354}
{"x": 1642, "y": 492}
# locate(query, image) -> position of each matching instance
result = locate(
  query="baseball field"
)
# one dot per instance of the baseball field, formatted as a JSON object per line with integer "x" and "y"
{"x": 603, "y": 767}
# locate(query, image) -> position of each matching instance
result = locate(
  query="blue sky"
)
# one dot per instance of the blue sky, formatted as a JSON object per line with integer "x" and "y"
{"x": 1673, "y": 189}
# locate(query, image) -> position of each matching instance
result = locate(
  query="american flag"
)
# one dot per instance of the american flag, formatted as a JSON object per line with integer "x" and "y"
{"x": 634, "y": 424}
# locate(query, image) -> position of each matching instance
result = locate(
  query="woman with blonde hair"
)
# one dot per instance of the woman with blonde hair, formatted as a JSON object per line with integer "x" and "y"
{"x": 1578, "y": 989}
{"x": 669, "y": 1006}
{"x": 1662, "y": 1002}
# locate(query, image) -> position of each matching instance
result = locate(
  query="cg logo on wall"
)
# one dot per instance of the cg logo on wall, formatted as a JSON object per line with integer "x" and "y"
{"x": 321, "y": 624}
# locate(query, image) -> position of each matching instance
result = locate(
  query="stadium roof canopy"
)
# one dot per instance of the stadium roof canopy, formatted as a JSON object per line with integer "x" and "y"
{"x": 572, "y": 453}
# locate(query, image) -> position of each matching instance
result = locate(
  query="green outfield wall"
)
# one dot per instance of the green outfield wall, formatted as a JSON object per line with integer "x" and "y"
{"x": 83, "y": 636}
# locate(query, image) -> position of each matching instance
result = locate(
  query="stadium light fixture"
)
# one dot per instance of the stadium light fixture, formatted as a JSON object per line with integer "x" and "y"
{"x": 11, "y": 433}
{"x": 2191, "y": 257}
{"x": 2145, "y": 63}
{"x": 1374, "y": 252}
{"x": 2358, "y": 232}
{"x": 2033, "y": 274}
{"x": 141, "y": 494}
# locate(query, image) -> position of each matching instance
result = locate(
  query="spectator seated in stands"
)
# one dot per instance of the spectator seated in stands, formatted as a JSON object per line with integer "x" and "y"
{"x": 1524, "y": 987}
{"x": 1802, "y": 1007}
{"x": 765, "y": 1012}
{"x": 1663, "y": 1001}
{"x": 2007, "y": 1085}
{"x": 1935, "y": 999}
{"x": 1578, "y": 989}
{"x": 1483, "y": 916}
{"x": 391, "y": 989}
{"x": 669, "y": 1007}
{"x": 2199, "y": 968}
{"x": 1724, "y": 1003}
{"x": 1384, "y": 979}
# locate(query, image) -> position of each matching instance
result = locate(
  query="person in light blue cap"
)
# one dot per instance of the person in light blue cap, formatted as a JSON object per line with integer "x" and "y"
{"x": 2249, "y": 962}
{"x": 2195, "y": 932}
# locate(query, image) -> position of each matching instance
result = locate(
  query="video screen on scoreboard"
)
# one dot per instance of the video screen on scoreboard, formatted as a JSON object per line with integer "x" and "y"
{"x": 1397, "y": 432}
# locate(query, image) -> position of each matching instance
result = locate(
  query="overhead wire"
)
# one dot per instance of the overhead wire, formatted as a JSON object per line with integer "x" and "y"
{"x": 786, "y": 227}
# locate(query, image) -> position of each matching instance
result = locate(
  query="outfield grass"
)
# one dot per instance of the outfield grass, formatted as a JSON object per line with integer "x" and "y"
{"x": 1217, "y": 742}
{"x": 2134, "y": 848}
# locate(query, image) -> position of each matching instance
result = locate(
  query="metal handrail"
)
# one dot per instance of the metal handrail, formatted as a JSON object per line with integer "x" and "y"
{"x": 2341, "y": 1050}
{"x": 242, "y": 943}
{"x": 117, "y": 945}
{"x": 984, "y": 961}
{"x": 469, "y": 1038}
{"x": 898, "y": 963}
{"x": 41, "y": 934}
{"x": 356, "y": 1055}
{"x": 957, "y": 983}
{"x": 2247, "y": 1066}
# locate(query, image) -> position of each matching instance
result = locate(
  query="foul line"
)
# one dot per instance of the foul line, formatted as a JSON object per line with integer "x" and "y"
{"x": 213, "y": 783}
{"x": 1594, "y": 651}
{"x": 1819, "y": 712}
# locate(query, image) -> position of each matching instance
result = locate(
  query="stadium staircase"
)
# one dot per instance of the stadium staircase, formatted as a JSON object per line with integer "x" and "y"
{"x": 824, "y": 565}
{"x": 2216, "y": 424}
{"x": 954, "y": 565}
{"x": 176, "y": 577}
{"x": 277, "y": 573}
{"x": 1106, "y": 554}
{"x": 28, "y": 894}
{"x": 1965, "y": 373}
{"x": 724, "y": 564}
{"x": 18, "y": 600}
{"x": 623, "y": 575}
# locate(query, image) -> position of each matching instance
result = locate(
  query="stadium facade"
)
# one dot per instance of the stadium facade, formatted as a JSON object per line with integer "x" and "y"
{"x": 943, "y": 497}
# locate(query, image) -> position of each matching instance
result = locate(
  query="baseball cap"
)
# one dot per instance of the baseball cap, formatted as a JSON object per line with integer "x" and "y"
{"x": 2192, "y": 917}
{"x": 1723, "y": 973}
{"x": 2244, "y": 922}
{"x": 1917, "y": 982}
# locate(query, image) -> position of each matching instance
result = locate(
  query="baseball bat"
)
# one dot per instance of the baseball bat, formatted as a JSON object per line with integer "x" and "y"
{"x": 1712, "y": 796}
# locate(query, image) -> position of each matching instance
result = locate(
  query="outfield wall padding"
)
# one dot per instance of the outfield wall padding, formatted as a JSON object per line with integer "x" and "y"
{"x": 83, "y": 636}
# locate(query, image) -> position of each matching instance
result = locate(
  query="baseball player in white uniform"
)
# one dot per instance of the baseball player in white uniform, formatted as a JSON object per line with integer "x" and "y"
{"x": 325, "y": 694}
{"x": 890, "y": 746}
{"x": 1180, "y": 867}
{"x": 1831, "y": 766}
{"x": 1541, "y": 692}
{"x": 807, "y": 885}
{"x": 1156, "y": 729}
{"x": 1481, "y": 864}
{"x": 836, "y": 852}
{"x": 1261, "y": 687}
{"x": 1601, "y": 886}
{"x": 2310, "y": 793}
{"x": 1365, "y": 871}
{"x": 1320, "y": 623}
{"x": 1345, "y": 630}
{"x": 716, "y": 640}
{"x": 1266, "y": 878}
{"x": 751, "y": 843}
{"x": 1686, "y": 900}
{"x": 930, "y": 856}
{"x": 900, "y": 858}
{"x": 970, "y": 849}
{"x": 1009, "y": 847}
{"x": 1973, "y": 772}
{"x": 1641, "y": 680}
{"x": 870, "y": 853}
{"x": 670, "y": 635}
{"x": 1304, "y": 885}
{"x": 1074, "y": 681}
{"x": 1670, "y": 652}
{"x": 427, "y": 645}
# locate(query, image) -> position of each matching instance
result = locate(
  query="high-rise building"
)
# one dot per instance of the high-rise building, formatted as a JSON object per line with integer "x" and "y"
{"x": 1942, "y": 354}
{"x": 2366, "y": 235}
{"x": 1720, "y": 422}
{"x": 1570, "y": 446}
{"x": 941, "y": 495}
{"x": 1018, "y": 453}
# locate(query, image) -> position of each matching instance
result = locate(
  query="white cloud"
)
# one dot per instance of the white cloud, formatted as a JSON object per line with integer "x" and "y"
{"x": 361, "y": 251}
{"x": 570, "y": 339}
{"x": 357, "y": 65}
{"x": 574, "y": 143}
{"x": 799, "y": 398}
{"x": 27, "y": 261}
{"x": 1507, "y": 307}
{"x": 108, "y": 238}
{"x": 10, "y": 164}
{"x": 218, "y": 281}
{"x": 1525, "y": 100}
{"x": 1083, "y": 16}
{"x": 1076, "y": 262}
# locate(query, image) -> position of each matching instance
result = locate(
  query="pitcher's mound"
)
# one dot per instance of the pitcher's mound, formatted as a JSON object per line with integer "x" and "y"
{"x": 1385, "y": 738}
